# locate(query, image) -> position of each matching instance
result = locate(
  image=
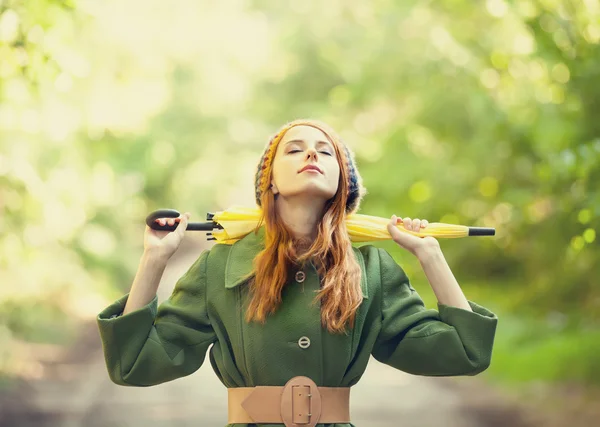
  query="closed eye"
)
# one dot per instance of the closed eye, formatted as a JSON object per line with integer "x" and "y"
{"x": 299, "y": 151}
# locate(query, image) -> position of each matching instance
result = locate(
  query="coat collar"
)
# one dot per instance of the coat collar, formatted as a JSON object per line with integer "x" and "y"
{"x": 242, "y": 253}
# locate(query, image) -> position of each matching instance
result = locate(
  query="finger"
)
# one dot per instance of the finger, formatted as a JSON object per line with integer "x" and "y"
{"x": 416, "y": 224}
{"x": 182, "y": 226}
{"x": 171, "y": 221}
{"x": 407, "y": 223}
{"x": 424, "y": 223}
{"x": 394, "y": 221}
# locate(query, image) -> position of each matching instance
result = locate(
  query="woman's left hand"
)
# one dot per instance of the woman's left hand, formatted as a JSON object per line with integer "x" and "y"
{"x": 415, "y": 245}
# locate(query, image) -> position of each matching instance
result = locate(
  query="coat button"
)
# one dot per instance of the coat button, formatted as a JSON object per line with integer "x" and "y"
{"x": 300, "y": 276}
{"x": 304, "y": 342}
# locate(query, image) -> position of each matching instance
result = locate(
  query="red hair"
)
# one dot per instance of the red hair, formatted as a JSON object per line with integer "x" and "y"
{"x": 339, "y": 272}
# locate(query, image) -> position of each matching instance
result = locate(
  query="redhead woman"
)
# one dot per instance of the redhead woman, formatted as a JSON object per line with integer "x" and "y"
{"x": 293, "y": 311}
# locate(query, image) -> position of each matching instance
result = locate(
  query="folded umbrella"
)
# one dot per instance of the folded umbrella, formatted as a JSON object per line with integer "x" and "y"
{"x": 236, "y": 222}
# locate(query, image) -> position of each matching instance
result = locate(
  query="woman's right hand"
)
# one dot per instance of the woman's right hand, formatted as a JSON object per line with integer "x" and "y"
{"x": 165, "y": 243}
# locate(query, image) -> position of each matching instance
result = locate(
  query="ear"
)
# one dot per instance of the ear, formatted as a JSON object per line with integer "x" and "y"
{"x": 274, "y": 188}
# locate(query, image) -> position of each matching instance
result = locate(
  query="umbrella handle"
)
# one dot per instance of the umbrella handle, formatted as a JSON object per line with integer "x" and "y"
{"x": 172, "y": 213}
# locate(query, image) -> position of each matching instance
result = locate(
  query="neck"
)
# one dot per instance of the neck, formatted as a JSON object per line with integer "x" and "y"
{"x": 301, "y": 217}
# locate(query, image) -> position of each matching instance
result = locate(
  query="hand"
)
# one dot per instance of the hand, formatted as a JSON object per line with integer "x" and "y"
{"x": 165, "y": 243}
{"x": 415, "y": 245}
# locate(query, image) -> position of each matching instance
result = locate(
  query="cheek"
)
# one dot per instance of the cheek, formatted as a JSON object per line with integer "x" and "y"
{"x": 334, "y": 175}
{"x": 283, "y": 174}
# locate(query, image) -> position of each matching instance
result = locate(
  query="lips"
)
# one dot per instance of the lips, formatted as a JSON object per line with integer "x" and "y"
{"x": 313, "y": 167}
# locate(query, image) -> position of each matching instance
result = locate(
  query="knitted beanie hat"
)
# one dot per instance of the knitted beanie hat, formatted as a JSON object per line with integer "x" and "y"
{"x": 263, "y": 173}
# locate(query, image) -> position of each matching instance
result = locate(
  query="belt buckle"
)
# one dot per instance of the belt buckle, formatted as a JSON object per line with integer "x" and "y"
{"x": 300, "y": 403}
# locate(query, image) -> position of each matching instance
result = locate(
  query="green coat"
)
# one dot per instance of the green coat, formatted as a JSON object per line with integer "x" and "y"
{"x": 157, "y": 344}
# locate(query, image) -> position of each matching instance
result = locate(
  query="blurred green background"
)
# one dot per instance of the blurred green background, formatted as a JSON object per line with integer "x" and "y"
{"x": 475, "y": 113}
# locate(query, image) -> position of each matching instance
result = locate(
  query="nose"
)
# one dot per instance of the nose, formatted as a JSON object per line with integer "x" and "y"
{"x": 311, "y": 152}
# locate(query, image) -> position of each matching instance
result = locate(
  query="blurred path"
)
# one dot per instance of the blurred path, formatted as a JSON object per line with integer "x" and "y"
{"x": 383, "y": 397}
{"x": 76, "y": 391}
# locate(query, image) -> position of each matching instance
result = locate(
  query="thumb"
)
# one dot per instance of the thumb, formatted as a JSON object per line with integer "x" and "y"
{"x": 397, "y": 235}
{"x": 182, "y": 226}
{"x": 392, "y": 227}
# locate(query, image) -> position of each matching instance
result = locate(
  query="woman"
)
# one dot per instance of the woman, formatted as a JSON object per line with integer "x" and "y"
{"x": 293, "y": 310}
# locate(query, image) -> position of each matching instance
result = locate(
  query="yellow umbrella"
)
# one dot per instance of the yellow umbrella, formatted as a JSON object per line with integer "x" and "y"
{"x": 236, "y": 222}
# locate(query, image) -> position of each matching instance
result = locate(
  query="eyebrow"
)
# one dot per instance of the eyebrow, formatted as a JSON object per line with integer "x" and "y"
{"x": 304, "y": 142}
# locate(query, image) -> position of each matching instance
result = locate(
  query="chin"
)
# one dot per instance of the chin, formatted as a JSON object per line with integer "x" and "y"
{"x": 310, "y": 192}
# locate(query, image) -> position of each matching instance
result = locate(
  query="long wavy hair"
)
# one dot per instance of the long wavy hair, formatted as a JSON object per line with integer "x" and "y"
{"x": 340, "y": 292}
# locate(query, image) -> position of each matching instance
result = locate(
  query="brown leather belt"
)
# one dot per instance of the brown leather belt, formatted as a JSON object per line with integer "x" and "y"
{"x": 299, "y": 403}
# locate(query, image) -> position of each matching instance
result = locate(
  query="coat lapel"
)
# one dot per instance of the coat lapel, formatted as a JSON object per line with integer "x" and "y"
{"x": 242, "y": 253}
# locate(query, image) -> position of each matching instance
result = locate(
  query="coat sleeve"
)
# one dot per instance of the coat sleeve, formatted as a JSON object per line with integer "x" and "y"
{"x": 150, "y": 346}
{"x": 448, "y": 342}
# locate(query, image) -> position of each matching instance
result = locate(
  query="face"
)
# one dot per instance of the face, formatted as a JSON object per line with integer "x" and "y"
{"x": 304, "y": 146}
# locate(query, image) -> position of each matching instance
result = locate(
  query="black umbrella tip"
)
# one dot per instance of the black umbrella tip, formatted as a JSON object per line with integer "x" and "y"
{"x": 482, "y": 231}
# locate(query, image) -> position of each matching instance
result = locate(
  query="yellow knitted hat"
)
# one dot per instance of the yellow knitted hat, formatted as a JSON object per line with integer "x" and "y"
{"x": 263, "y": 173}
